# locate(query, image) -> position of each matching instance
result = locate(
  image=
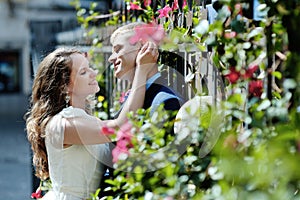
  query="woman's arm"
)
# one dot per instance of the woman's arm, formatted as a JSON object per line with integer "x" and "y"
{"x": 87, "y": 130}
{"x": 84, "y": 130}
{"x": 145, "y": 61}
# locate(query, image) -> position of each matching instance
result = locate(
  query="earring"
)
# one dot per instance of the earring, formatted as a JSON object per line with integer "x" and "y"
{"x": 67, "y": 99}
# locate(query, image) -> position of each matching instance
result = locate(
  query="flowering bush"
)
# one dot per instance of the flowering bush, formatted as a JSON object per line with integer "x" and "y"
{"x": 243, "y": 147}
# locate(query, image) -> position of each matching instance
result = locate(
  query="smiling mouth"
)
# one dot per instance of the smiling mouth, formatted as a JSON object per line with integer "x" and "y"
{"x": 116, "y": 65}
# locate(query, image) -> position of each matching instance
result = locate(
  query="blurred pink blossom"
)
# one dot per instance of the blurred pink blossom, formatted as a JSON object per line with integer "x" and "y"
{"x": 117, "y": 151}
{"x": 107, "y": 131}
{"x": 148, "y": 32}
{"x": 125, "y": 132}
{"x": 134, "y": 6}
{"x": 124, "y": 142}
{"x": 122, "y": 97}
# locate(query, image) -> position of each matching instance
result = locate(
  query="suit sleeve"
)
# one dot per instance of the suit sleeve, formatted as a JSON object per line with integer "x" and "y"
{"x": 172, "y": 104}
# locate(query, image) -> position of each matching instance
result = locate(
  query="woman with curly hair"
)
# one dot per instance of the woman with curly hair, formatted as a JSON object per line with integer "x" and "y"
{"x": 66, "y": 139}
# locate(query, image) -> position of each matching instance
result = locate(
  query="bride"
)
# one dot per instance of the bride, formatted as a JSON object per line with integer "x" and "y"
{"x": 66, "y": 139}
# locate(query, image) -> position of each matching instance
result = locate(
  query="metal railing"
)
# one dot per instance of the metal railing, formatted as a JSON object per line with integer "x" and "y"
{"x": 180, "y": 64}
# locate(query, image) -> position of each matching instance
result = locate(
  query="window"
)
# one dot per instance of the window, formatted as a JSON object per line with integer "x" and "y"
{"x": 9, "y": 71}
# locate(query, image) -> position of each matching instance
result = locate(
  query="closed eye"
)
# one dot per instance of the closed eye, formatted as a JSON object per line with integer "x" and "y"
{"x": 82, "y": 72}
{"x": 117, "y": 48}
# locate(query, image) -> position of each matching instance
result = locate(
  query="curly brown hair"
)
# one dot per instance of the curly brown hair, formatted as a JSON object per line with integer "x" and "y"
{"x": 47, "y": 99}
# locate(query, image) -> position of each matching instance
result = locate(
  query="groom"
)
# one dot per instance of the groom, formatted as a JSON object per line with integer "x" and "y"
{"x": 123, "y": 58}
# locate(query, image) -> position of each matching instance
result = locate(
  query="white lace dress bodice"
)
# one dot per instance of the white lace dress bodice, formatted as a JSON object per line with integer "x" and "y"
{"x": 75, "y": 171}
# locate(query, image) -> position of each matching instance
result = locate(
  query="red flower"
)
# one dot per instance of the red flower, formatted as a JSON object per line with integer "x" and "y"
{"x": 107, "y": 131}
{"x": 151, "y": 31}
{"x": 134, "y": 6}
{"x": 37, "y": 194}
{"x": 164, "y": 12}
{"x": 233, "y": 75}
{"x": 147, "y": 3}
{"x": 175, "y": 5}
{"x": 249, "y": 72}
{"x": 256, "y": 87}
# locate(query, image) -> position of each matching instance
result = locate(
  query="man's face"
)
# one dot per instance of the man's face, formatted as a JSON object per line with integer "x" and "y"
{"x": 123, "y": 57}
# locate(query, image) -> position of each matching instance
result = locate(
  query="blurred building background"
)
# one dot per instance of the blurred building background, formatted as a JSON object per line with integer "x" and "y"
{"x": 30, "y": 29}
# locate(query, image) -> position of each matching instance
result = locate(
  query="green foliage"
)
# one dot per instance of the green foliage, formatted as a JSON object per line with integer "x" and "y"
{"x": 159, "y": 158}
{"x": 88, "y": 21}
{"x": 245, "y": 147}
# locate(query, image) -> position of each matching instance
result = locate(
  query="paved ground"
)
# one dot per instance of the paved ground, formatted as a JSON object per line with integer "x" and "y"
{"x": 15, "y": 161}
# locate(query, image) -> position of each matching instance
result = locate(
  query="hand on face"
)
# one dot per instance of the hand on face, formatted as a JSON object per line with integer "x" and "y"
{"x": 147, "y": 56}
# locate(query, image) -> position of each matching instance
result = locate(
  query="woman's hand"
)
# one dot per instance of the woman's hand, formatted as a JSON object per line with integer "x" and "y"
{"x": 147, "y": 57}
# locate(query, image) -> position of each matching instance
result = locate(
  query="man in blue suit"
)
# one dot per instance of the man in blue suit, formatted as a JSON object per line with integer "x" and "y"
{"x": 123, "y": 59}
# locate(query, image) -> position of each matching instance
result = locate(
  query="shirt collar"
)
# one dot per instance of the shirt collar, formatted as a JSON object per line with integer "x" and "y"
{"x": 152, "y": 79}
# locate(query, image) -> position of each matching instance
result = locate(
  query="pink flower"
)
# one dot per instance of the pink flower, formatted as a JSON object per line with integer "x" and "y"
{"x": 124, "y": 142}
{"x": 37, "y": 194}
{"x": 184, "y": 3}
{"x": 134, "y": 6}
{"x": 164, "y": 12}
{"x": 151, "y": 31}
{"x": 125, "y": 132}
{"x": 229, "y": 35}
{"x": 233, "y": 75}
{"x": 107, "y": 131}
{"x": 117, "y": 151}
{"x": 124, "y": 96}
{"x": 256, "y": 87}
{"x": 147, "y": 3}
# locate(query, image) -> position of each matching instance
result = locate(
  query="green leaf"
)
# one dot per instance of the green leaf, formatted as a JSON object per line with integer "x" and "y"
{"x": 277, "y": 74}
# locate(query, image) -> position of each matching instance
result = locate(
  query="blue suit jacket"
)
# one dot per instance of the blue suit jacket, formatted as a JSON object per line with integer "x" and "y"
{"x": 159, "y": 93}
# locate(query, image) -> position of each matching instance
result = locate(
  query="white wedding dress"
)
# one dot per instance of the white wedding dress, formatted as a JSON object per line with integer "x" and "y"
{"x": 75, "y": 171}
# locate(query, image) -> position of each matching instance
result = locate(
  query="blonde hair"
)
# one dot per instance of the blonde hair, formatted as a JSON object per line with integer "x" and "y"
{"x": 47, "y": 99}
{"x": 128, "y": 28}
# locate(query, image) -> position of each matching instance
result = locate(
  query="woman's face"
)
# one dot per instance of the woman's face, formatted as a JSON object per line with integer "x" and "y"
{"x": 83, "y": 77}
{"x": 123, "y": 57}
